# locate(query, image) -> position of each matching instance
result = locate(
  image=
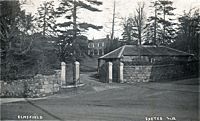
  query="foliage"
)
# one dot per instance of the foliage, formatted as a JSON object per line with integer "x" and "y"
{"x": 15, "y": 39}
{"x": 161, "y": 23}
{"x": 23, "y": 54}
{"x": 112, "y": 45}
{"x": 129, "y": 30}
{"x": 46, "y": 18}
{"x": 189, "y": 32}
{"x": 134, "y": 26}
{"x": 70, "y": 31}
{"x": 139, "y": 21}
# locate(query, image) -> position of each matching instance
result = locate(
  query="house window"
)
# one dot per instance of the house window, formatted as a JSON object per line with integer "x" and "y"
{"x": 102, "y": 44}
{"x": 92, "y": 44}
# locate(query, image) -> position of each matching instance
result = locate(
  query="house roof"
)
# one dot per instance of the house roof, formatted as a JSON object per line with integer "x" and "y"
{"x": 144, "y": 50}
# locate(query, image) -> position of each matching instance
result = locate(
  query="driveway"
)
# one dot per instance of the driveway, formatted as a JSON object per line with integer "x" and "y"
{"x": 113, "y": 102}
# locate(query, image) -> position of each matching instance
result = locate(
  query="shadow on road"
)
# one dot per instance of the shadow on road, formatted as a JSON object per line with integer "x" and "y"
{"x": 45, "y": 111}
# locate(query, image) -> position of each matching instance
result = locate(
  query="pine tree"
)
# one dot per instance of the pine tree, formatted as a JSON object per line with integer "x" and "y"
{"x": 70, "y": 31}
{"x": 161, "y": 23}
{"x": 168, "y": 31}
{"x": 129, "y": 31}
{"x": 46, "y": 19}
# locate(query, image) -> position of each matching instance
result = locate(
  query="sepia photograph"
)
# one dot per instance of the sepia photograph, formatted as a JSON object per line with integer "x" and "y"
{"x": 99, "y": 60}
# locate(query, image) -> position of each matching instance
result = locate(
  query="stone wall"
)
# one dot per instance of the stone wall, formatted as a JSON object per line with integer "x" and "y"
{"x": 137, "y": 73}
{"x": 145, "y": 73}
{"x": 38, "y": 86}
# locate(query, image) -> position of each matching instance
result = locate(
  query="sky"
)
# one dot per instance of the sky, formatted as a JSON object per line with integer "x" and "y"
{"x": 124, "y": 8}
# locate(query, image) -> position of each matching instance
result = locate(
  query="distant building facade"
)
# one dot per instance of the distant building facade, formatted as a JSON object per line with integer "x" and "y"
{"x": 96, "y": 47}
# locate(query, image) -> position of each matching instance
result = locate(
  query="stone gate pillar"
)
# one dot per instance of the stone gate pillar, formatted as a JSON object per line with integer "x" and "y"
{"x": 76, "y": 74}
{"x": 63, "y": 73}
{"x": 110, "y": 72}
{"x": 121, "y": 69}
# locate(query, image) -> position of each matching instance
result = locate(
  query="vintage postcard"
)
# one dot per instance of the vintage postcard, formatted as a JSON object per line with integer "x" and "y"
{"x": 99, "y": 60}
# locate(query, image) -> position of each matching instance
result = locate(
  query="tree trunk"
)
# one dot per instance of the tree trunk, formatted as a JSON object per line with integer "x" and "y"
{"x": 74, "y": 28}
{"x": 113, "y": 23}
{"x": 164, "y": 26}
{"x": 44, "y": 20}
{"x": 74, "y": 19}
{"x": 155, "y": 27}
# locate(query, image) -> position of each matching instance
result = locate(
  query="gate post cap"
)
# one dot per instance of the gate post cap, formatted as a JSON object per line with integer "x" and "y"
{"x": 121, "y": 64}
{"x": 63, "y": 63}
{"x": 76, "y": 62}
{"x": 110, "y": 63}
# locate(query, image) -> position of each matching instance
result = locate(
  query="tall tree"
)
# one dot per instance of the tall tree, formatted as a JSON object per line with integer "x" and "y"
{"x": 113, "y": 21}
{"x": 129, "y": 31}
{"x": 152, "y": 27}
{"x": 162, "y": 23}
{"x": 46, "y": 19}
{"x": 189, "y": 32}
{"x": 134, "y": 26}
{"x": 167, "y": 11}
{"x": 15, "y": 37}
{"x": 139, "y": 21}
{"x": 71, "y": 30}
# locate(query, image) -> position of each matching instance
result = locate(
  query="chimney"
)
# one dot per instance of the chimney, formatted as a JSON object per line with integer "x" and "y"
{"x": 107, "y": 37}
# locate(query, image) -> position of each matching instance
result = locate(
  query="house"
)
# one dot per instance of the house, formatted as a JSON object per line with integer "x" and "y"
{"x": 148, "y": 63}
{"x": 97, "y": 47}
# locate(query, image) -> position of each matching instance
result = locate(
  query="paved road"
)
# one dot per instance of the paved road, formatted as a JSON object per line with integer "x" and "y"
{"x": 115, "y": 102}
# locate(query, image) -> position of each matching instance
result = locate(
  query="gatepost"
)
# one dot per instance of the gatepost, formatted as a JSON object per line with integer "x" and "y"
{"x": 76, "y": 74}
{"x": 121, "y": 76}
{"x": 63, "y": 73}
{"x": 110, "y": 72}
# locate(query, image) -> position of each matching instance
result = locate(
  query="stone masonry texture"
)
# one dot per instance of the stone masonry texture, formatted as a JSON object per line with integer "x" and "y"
{"x": 146, "y": 73}
{"x": 38, "y": 86}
